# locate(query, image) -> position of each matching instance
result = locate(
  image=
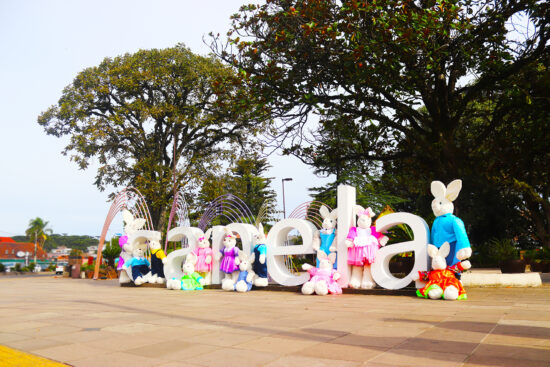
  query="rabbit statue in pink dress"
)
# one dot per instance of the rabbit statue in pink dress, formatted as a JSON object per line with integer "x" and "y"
{"x": 203, "y": 253}
{"x": 363, "y": 243}
{"x": 323, "y": 280}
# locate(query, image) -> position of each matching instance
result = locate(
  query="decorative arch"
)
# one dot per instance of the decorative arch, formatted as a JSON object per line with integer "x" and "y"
{"x": 129, "y": 198}
{"x": 230, "y": 207}
{"x": 179, "y": 212}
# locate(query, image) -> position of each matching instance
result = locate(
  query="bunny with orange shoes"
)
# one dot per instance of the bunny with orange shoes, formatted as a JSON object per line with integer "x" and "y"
{"x": 229, "y": 259}
{"x": 325, "y": 237}
{"x": 447, "y": 227}
{"x": 363, "y": 242}
{"x": 203, "y": 253}
{"x": 323, "y": 280}
{"x": 442, "y": 282}
{"x": 258, "y": 258}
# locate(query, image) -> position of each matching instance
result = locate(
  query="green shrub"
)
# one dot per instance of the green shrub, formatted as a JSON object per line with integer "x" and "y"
{"x": 2, "y": 268}
{"x": 17, "y": 267}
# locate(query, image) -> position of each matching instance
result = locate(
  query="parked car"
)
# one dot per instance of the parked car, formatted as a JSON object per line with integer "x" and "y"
{"x": 59, "y": 269}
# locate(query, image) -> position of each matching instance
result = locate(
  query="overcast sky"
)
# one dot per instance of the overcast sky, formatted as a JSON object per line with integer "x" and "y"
{"x": 44, "y": 45}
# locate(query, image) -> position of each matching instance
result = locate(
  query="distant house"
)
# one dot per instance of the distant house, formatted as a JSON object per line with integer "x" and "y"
{"x": 23, "y": 253}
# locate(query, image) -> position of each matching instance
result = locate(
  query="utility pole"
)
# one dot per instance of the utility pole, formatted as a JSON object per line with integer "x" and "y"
{"x": 35, "y": 241}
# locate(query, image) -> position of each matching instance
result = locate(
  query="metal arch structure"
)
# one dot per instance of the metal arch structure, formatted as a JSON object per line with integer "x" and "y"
{"x": 228, "y": 206}
{"x": 309, "y": 211}
{"x": 179, "y": 212}
{"x": 129, "y": 198}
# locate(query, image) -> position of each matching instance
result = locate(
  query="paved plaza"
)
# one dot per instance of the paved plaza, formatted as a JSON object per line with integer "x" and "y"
{"x": 98, "y": 323}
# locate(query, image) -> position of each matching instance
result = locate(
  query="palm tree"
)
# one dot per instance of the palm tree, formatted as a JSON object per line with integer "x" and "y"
{"x": 37, "y": 230}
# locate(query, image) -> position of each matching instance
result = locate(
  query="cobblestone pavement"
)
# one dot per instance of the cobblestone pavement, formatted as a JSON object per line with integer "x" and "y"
{"x": 97, "y": 323}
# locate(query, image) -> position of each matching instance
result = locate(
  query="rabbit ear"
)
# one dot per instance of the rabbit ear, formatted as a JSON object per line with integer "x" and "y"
{"x": 332, "y": 257}
{"x": 357, "y": 209}
{"x": 252, "y": 257}
{"x": 139, "y": 223}
{"x": 127, "y": 216}
{"x": 227, "y": 231}
{"x": 261, "y": 229}
{"x": 208, "y": 234}
{"x": 321, "y": 255}
{"x": 323, "y": 210}
{"x": 453, "y": 189}
{"x": 444, "y": 249}
{"x": 432, "y": 251}
{"x": 191, "y": 258}
{"x": 438, "y": 189}
{"x": 334, "y": 214}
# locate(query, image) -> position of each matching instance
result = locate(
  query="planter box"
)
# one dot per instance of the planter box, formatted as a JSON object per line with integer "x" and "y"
{"x": 513, "y": 266}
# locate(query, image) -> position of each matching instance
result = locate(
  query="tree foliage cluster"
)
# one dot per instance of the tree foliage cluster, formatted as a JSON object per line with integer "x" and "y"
{"x": 153, "y": 120}
{"x": 243, "y": 178}
{"x": 411, "y": 91}
{"x": 80, "y": 242}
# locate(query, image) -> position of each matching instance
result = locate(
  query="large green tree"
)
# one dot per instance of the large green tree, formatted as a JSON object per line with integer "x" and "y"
{"x": 139, "y": 116}
{"x": 394, "y": 80}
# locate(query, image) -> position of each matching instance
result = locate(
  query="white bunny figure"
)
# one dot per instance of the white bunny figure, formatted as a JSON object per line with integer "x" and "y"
{"x": 323, "y": 279}
{"x": 191, "y": 280}
{"x": 363, "y": 242}
{"x": 131, "y": 225}
{"x": 324, "y": 238}
{"x": 229, "y": 256}
{"x": 138, "y": 265}
{"x": 203, "y": 252}
{"x": 259, "y": 258}
{"x": 442, "y": 282}
{"x": 446, "y": 226}
{"x": 246, "y": 274}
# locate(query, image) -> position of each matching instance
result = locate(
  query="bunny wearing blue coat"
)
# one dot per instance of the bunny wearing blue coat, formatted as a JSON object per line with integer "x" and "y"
{"x": 446, "y": 226}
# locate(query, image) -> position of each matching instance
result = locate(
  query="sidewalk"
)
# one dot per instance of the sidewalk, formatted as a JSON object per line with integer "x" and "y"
{"x": 97, "y": 323}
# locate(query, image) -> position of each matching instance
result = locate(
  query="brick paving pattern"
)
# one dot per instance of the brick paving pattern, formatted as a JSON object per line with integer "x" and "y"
{"x": 97, "y": 323}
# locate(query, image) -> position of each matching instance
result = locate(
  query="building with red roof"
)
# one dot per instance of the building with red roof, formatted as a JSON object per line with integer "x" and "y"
{"x": 23, "y": 253}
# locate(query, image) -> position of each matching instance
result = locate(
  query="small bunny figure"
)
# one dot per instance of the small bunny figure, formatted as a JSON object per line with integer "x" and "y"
{"x": 325, "y": 237}
{"x": 229, "y": 263}
{"x": 246, "y": 274}
{"x": 158, "y": 259}
{"x": 139, "y": 264}
{"x": 203, "y": 252}
{"x": 191, "y": 280}
{"x": 446, "y": 226}
{"x": 442, "y": 282}
{"x": 258, "y": 259}
{"x": 323, "y": 280}
{"x": 363, "y": 242}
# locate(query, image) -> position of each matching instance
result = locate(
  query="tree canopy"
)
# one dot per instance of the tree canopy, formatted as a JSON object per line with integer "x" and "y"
{"x": 37, "y": 230}
{"x": 394, "y": 83}
{"x": 138, "y": 116}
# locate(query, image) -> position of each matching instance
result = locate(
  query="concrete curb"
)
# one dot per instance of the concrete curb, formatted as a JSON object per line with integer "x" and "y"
{"x": 501, "y": 280}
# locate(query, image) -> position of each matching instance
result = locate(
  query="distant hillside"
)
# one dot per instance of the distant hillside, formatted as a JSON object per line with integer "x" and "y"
{"x": 56, "y": 240}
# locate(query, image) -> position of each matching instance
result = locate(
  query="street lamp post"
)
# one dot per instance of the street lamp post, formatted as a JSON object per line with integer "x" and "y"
{"x": 283, "y": 182}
